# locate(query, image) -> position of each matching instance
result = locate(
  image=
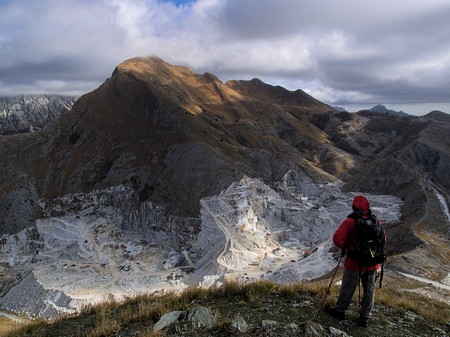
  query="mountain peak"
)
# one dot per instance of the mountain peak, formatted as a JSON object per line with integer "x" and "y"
{"x": 152, "y": 69}
{"x": 380, "y": 108}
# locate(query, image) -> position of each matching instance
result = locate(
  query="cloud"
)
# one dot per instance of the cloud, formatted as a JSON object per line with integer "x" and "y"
{"x": 347, "y": 51}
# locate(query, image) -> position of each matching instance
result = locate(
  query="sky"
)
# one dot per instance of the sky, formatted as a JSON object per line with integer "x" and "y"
{"x": 348, "y": 53}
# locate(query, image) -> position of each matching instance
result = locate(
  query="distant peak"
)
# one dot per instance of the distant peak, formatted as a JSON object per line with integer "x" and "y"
{"x": 380, "y": 108}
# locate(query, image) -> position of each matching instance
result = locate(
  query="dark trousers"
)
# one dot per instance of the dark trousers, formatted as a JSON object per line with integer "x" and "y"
{"x": 350, "y": 280}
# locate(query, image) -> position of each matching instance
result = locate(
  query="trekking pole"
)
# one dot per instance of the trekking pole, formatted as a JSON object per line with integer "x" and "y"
{"x": 329, "y": 286}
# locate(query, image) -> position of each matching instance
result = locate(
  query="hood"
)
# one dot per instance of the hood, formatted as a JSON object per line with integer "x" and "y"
{"x": 361, "y": 203}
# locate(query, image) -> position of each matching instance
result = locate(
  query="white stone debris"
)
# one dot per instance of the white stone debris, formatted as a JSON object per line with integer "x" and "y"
{"x": 96, "y": 251}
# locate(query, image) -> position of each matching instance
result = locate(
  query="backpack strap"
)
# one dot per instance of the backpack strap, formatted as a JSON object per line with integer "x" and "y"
{"x": 357, "y": 214}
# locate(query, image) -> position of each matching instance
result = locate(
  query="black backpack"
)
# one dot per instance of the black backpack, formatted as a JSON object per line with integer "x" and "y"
{"x": 369, "y": 240}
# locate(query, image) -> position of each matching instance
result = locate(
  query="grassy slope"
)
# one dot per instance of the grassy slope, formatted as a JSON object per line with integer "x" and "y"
{"x": 398, "y": 312}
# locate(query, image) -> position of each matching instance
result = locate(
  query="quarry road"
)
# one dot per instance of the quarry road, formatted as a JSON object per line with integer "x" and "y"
{"x": 228, "y": 241}
{"x": 436, "y": 284}
{"x": 443, "y": 202}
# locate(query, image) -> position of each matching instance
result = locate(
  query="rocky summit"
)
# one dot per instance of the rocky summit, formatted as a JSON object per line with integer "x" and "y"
{"x": 167, "y": 173}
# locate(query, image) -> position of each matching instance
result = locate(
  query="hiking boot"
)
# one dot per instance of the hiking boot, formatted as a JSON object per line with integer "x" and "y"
{"x": 333, "y": 312}
{"x": 363, "y": 321}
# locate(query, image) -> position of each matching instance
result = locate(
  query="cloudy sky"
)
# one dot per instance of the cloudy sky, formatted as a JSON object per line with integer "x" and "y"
{"x": 352, "y": 53}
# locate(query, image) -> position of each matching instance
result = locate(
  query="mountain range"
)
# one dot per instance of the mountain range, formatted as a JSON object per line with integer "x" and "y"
{"x": 171, "y": 138}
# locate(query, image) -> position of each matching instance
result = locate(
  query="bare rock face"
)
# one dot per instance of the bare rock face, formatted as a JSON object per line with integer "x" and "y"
{"x": 35, "y": 298}
{"x": 30, "y": 113}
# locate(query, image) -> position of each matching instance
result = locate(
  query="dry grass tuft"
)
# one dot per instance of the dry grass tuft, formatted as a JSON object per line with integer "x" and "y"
{"x": 151, "y": 333}
{"x": 29, "y": 328}
{"x": 105, "y": 323}
{"x": 105, "y": 328}
{"x": 300, "y": 289}
{"x": 192, "y": 294}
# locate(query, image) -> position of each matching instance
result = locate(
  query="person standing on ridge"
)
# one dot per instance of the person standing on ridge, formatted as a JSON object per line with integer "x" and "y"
{"x": 345, "y": 238}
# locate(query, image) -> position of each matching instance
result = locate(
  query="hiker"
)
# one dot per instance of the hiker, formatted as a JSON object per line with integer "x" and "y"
{"x": 345, "y": 238}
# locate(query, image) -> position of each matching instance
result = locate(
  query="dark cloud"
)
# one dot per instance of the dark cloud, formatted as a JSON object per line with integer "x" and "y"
{"x": 262, "y": 19}
{"x": 51, "y": 69}
{"x": 339, "y": 51}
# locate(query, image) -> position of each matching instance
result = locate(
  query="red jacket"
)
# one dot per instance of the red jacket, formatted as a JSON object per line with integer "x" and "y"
{"x": 344, "y": 235}
{"x": 343, "y": 238}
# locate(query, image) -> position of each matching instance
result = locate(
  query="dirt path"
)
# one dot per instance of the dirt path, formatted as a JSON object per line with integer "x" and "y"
{"x": 436, "y": 284}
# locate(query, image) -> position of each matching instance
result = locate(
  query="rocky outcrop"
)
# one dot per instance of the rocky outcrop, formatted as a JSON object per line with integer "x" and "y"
{"x": 185, "y": 322}
{"x": 30, "y": 113}
{"x": 35, "y": 299}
